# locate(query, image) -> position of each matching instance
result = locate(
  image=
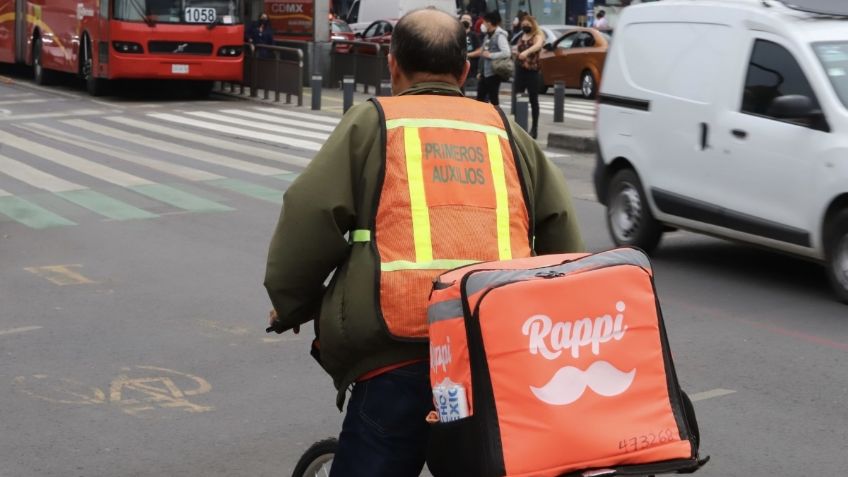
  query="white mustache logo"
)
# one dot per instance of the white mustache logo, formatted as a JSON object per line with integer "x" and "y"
{"x": 569, "y": 383}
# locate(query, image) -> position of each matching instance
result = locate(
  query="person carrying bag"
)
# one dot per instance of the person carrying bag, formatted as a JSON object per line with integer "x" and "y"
{"x": 496, "y": 63}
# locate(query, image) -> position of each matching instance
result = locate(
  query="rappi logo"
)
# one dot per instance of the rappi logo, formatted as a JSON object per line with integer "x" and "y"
{"x": 569, "y": 383}
{"x": 440, "y": 356}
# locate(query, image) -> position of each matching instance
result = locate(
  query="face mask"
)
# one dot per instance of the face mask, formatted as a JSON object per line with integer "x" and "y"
{"x": 526, "y": 29}
{"x": 466, "y": 24}
{"x": 484, "y": 29}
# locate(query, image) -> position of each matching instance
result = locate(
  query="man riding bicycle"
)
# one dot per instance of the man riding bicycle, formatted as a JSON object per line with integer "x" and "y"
{"x": 405, "y": 188}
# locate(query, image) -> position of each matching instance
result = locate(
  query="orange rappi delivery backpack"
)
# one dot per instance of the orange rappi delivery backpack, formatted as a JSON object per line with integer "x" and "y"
{"x": 555, "y": 365}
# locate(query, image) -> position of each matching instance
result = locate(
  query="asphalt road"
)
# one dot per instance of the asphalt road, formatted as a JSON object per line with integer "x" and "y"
{"x": 133, "y": 234}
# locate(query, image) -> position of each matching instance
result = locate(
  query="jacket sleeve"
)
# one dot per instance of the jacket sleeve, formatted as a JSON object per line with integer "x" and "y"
{"x": 556, "y": 227}
{"x": 318, "y": 211}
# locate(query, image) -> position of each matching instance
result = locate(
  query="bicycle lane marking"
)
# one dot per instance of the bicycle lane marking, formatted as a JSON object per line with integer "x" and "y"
{"x": 135, "y": 391}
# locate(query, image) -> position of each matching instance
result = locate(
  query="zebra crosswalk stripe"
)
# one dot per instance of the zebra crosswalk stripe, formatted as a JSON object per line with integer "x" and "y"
{"x": 29, "y": 214}
{"x": 80, "y": 195}
{"x": 34, "y": 177}
{"x": 62, "y": 158}
{"x": 211, "y": 141}
{"x": 186, "y": 173}
{"x": 300, "y": 115}
{"x": 258, "y": 125}
{"x": 239, "y": 132}
{"x": 203, "y": 156}
{"x": 298, "y": 123}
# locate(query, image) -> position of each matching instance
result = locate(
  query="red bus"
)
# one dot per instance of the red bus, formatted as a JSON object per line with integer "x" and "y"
{"x": 101, "y": 40}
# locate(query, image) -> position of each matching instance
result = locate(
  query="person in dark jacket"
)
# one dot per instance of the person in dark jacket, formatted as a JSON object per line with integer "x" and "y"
{"x": 260, "y": 33}
{"x": 326, "y": 226}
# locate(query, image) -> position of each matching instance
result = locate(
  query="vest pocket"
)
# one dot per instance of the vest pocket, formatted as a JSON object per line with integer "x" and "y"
{"x": 453, "y": 448}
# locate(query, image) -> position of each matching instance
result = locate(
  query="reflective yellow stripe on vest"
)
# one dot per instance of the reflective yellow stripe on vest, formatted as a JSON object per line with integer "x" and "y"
{"x": 418, "y": 198}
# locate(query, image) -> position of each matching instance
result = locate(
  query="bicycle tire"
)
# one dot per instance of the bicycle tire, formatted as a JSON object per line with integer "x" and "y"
{"x": 316, "y": 461}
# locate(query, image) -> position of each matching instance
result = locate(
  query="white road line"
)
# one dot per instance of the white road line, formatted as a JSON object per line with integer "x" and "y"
{"x": 29, "y": 117}
{"x": 34, "y": 177}
{"x": 296, "y": 114}
{"x": 279, "y": 120}
{"x": 22, "y": 329}
{"x": 3, "y": 193}
{"x": 187, "y": 173}
{"x": 168, "y": 147}
{"x": 16, "y": 95}
{"x": 555, "y": 155}
{"x": 255, "y": 125}
{"x": 23, "y": 101}
{"x": 714, "y": 393}
{"x": 273, "y": 155}
{"x": 85, "y": 166}
{"x": 239, "y": 132}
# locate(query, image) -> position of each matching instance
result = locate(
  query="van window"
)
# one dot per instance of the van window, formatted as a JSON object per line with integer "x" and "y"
{"x": 679, "y": 60}
{"x": 772, "y": 72}
{"x": 834, "y": 59}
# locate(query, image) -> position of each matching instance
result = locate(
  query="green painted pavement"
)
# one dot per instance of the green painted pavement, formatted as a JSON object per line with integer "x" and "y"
{"x": 180, "y": 199}
{"x": 288, "y": 176}
{"x": 249, "y": 189}
{"x": 29, "y": 214}
{"x": 105, "y": 205}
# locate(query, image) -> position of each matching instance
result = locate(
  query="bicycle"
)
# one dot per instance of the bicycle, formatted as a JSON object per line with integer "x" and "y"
{"x": 317, "y": 460}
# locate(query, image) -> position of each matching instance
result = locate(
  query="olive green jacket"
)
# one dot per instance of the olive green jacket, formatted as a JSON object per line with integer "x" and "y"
{"x": 335, "y": 195}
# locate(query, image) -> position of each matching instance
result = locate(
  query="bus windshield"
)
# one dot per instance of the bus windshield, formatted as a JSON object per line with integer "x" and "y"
{"x": 223, "y": 12}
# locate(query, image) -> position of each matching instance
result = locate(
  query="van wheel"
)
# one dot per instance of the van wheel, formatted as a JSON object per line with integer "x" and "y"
{"x": 837, "y": 255}
{"x": 41, "y": 76}
{"x": 587, "y": 85}
{"x": 629, "y": 217}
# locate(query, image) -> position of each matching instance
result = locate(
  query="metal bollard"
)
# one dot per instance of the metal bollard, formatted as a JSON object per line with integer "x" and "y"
{"x": 317, "y": 81}
{"x": 385, "y": 88}
{"x": 559, "y": 101}
{"x": 512, "y": 97}
{"x": 347, "y": 92}
{"x": 521, "y": 111}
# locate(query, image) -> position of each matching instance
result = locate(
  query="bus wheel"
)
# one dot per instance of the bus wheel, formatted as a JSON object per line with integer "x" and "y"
{"x": 41, "y": 76}
{"x": 94, "y": 85}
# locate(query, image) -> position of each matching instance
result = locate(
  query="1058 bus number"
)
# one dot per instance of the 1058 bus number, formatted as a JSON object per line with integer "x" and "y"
{"x": 200, "y": 15}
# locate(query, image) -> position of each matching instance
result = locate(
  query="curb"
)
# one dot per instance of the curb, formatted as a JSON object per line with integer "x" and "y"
{"x": 573, "y": 142}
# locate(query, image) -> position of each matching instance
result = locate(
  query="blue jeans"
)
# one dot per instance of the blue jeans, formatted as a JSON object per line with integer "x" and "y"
{"x": 385, "y": 432}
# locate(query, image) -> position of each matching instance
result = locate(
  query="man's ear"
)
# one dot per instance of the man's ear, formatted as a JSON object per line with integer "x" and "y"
{"x": 465, "y": 70}
{"x": 392, "y": 64}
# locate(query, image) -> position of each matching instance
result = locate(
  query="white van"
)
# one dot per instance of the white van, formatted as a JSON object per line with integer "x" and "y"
{"x": 730, "y": 118}
{"x": 364, "y": 12}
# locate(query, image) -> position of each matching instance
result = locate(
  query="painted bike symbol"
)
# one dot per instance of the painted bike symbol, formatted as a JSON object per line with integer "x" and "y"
{"x": 136, "y": 390}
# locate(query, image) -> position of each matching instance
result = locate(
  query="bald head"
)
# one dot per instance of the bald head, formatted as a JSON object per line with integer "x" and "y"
{"x": 429, "y": 41}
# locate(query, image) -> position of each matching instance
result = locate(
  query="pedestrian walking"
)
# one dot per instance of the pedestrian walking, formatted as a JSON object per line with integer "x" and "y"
{"x": 601, "y": 22}
{"x": 527, "y": 69}
{"x": 496, "y": 55}
{"x": 260, "y": 33}
{"x": 404, "y": 188}
{"x": 473, "y": 48}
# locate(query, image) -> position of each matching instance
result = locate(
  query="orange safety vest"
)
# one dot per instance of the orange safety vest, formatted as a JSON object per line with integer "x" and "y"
{"x": 451, "y": 194}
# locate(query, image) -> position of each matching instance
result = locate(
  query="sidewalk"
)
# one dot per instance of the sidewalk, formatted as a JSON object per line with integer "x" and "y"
{"x": 573, "y": 135}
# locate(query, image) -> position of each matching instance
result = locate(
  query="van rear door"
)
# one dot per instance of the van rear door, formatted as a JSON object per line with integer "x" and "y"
{"x": 675, "y": 69}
